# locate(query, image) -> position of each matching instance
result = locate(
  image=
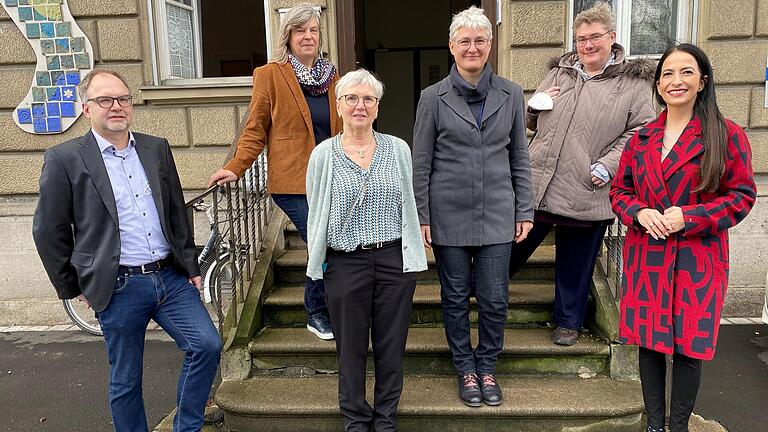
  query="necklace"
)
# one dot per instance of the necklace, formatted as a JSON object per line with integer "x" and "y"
{"x": 361, "y": 152}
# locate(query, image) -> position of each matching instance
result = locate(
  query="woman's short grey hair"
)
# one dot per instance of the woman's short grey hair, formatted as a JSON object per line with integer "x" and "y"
{"x": 360, "y": 77}
{"x": 296, "y": 17}
{"x": 599, "y": 13}
{"x": 473, "y": 18}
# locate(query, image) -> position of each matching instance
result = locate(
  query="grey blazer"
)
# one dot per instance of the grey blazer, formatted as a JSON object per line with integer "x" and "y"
{"x": 471, "y": 184}
{"x": 75, "y": 226}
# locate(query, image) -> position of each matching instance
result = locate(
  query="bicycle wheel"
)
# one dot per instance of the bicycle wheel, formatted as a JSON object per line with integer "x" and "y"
{"x": 219, "y": 283}
{"x": 82, "y": 316}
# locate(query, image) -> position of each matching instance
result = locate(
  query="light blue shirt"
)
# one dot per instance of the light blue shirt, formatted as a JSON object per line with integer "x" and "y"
{"x": 141, "y": 236}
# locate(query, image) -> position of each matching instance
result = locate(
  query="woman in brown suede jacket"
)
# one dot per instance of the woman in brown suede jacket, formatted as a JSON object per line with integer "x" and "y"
{"x": 293, "y": 108}
{"x": 599, "y": 100}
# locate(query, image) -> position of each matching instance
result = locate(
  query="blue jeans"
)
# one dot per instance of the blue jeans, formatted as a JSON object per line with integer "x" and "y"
{"x": 489, "y": 267}
{"x": 297, "y": 210}
{"x": 170, "y": 300}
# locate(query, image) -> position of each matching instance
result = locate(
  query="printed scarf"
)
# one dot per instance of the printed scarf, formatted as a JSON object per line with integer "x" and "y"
{"x": 315, "y": 80}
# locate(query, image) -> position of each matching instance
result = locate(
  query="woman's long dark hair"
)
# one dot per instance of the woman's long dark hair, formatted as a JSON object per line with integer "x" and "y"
{"x": 713, "y": 129}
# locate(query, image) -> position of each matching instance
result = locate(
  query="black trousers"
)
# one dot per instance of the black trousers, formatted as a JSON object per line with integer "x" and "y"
{"x": 367, "y": 291}
{"x": 686, "y": 378}
{"x": 576, "y": 254}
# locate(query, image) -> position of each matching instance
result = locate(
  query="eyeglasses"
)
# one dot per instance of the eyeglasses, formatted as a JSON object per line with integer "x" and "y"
{"x": 480, "y": 44}
{"x": 368, "y": 101}
{"x": 107, "y": 101}
{"x": 595, "y": 38}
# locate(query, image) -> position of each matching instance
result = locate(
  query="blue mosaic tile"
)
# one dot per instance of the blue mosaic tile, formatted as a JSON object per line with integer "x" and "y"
{"x": 53, "y": 62}
{"x": 58, "y": 78}
{"x": 67, "y": 62}
{"x": 23, "y": 2}
{"x": 53, "y": 93}
{"x": 25, "y": 14}
{"x": 63, "y": 29}
{"x": 38, "y": 110}
{"x": 77, "y": 45}
{"x": 52, "y": 108}
{"x": 82, "y": 61}
{"x": 62, "y": 45}
{"x": 48, "y": 46}
{"x": 54, "y": 124}
{"x": 68, "y": 93}
{"x": 11, "y": 3}
{"x": 67, "y": 109}
{"x": 33, "y": 31}
{"x": 38, "y": 15}
{"x": 43, "y": 78}
{"x": 24, "y": 115}
{"x": 39, "y": 125}
{"x": 47, "y": 30}
{"x": 73, "y": 78}
{"x": 38, "y": 94}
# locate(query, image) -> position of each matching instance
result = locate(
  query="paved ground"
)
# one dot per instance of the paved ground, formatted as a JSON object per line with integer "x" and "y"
{"x": 56, "y": 381}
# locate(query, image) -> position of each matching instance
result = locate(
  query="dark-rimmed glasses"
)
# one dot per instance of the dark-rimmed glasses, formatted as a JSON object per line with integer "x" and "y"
{"x": 595, "y": 38}
{"x": 352, "y": 100}
{"x": 107, "y": 101}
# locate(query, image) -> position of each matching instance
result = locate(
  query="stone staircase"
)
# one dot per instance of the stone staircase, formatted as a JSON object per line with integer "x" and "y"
{"x": 291, "y": 384}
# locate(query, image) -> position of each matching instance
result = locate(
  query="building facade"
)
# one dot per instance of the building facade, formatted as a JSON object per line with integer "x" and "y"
{"x": 188, "y": 63}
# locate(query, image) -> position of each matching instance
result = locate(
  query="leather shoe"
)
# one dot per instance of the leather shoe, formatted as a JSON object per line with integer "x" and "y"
{"x": 565, "y": 336}
{"x": 320, "y": 326}
{"x": 469, "y": 390}
{"x": 491, "y": 390}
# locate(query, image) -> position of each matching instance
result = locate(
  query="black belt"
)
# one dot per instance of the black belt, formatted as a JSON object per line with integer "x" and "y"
{"x": 146, "y": 268}
{"x": 379, "y": 245}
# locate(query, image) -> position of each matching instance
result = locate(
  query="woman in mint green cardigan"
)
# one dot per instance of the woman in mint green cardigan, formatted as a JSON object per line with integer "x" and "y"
{"x": 364, "y": 228}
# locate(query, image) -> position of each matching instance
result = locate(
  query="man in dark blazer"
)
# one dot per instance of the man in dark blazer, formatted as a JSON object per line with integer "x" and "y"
{"x": 112, "y": 230}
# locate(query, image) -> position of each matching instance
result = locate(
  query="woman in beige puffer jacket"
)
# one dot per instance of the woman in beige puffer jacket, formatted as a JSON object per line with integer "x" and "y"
{"x": 600, "y": 98}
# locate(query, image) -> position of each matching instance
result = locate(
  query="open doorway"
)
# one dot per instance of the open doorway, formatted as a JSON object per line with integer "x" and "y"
{"x": 406, "y": 43}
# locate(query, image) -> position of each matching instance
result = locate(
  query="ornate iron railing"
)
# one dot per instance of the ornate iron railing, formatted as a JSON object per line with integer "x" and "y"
{"x": 236, "y": 215}
{"x": 612, "y": 259}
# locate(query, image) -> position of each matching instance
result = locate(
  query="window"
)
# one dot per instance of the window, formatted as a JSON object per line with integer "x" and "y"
{"x": 644, "y": 27}
{"x": 208, "y": 38}
{"x": 178, "y": 37}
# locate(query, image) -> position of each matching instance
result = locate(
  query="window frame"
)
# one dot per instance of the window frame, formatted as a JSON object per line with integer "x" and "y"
{"x": 686, "y": 25}
{"x": 163, "y": 58}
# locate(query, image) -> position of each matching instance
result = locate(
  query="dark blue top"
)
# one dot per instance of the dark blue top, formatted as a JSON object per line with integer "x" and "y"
{"x": 320, "y": 111}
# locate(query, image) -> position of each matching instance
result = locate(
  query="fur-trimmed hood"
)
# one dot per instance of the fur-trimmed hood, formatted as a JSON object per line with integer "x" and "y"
{"x": 638, "y": 68}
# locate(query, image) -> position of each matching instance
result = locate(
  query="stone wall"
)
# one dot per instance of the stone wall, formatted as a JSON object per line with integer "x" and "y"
{"x": 117, "y": 29}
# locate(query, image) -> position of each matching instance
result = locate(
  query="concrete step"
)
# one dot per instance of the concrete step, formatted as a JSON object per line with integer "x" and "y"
{"x": 291, "y": 267}
{"x": 431, "y": 404}
{"x": 526, "y": 351}
{"x": 529, "y": 303}
{"x": 293, "y": 239}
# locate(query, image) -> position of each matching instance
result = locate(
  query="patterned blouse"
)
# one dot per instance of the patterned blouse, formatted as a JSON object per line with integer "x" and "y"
{"x": 366, "y": 205}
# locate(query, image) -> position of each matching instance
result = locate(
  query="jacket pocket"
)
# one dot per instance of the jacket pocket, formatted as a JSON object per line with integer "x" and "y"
{"x": 81, "y": 259}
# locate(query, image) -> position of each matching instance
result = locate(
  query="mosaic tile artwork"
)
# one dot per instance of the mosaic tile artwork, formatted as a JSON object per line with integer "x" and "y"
{"x": 64, "y": 55}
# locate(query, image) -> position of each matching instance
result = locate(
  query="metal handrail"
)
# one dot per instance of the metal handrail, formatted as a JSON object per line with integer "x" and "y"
{"x": 612, "y": 260}
{"x": 239, "y": 211}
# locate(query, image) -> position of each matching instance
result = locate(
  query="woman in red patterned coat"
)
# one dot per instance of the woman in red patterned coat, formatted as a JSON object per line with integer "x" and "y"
{"x": 682, "y": 181}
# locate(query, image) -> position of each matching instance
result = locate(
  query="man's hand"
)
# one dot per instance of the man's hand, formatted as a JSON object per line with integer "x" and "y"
{"x": 197, "y": 281}
{"x": 82, "y": 298}
{"x": 221, "y": 177}
{"x": 598, "y": 181}
{"x": 674, "y": 216}
{"x": 521, "y": 230}
{"x": 553, "y": 91}
{"x": 426, "y": 236}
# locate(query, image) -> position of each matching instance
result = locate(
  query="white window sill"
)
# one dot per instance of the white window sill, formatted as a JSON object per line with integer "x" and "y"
{"x": 199, "y": 91}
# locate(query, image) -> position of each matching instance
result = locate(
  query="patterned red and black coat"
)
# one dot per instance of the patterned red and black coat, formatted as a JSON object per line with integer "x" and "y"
{"x": 673, "y": 289}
